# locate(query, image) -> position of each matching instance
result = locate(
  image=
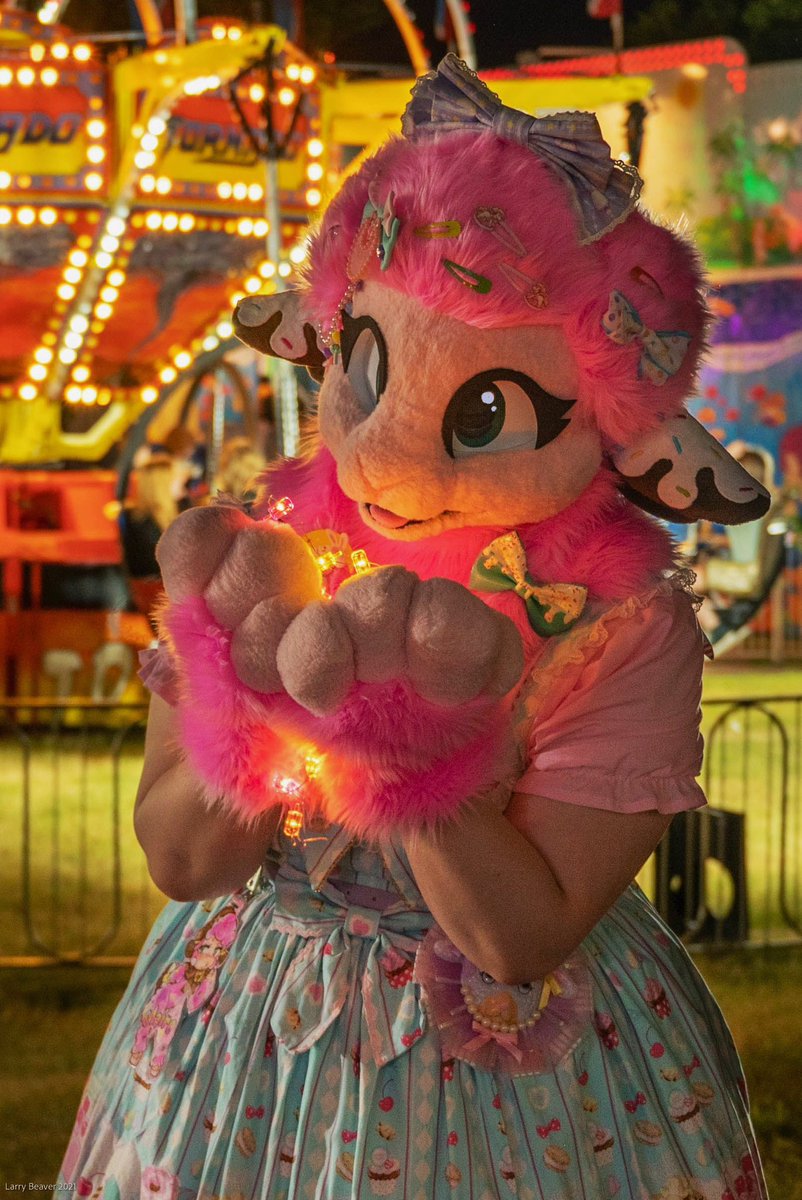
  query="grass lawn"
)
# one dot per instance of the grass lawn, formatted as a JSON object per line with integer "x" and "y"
{"x": 54, "y": 1018}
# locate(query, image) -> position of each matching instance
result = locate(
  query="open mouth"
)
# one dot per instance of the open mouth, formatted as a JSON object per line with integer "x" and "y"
{"x": 385, "y": 518}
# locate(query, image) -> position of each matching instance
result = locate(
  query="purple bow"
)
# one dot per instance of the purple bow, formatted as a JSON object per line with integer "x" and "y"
{"x": 453, "y": 98}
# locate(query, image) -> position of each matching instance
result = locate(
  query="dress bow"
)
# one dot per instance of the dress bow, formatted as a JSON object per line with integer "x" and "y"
{"x": 663, "y": 353}
{"x": 551, "y": 607}
{"x": 453, "y": 98}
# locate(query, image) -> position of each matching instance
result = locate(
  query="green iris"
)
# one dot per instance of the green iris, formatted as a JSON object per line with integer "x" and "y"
{"x": 480, "y": 417}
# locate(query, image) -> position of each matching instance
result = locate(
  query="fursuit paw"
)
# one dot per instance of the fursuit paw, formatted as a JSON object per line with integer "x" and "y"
{"x": 253, "y": 576}
{"x": 388, "y": 624}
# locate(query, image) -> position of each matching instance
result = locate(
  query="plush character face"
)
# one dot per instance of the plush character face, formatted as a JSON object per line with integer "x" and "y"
{"x": 435, "y": 424}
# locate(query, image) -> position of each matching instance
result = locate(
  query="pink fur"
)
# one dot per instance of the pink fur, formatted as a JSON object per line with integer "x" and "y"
{"x": 390, "y": 757}
{"x": 448, "y": 178}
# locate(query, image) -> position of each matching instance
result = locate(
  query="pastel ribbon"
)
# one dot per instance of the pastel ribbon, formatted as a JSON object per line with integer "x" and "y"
{"x": 663, "y": 353}
{"x": 453, "y": 98}
{"x": 507, "y": 1041}
{"x": 552, "y": 608}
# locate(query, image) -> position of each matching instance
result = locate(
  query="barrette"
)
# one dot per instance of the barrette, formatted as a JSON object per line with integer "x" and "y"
{"x": 477, "y": 283}
{"x": 533, "y": 291}
{"x": 494, "y": 220}
{"x": 439, "y": 229}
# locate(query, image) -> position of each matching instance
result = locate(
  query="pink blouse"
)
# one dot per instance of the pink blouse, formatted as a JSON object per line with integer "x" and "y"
{"x": 615, "y": 722}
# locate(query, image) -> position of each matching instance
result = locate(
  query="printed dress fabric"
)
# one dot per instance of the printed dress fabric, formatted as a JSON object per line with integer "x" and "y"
{"x": 317, "y": 1037}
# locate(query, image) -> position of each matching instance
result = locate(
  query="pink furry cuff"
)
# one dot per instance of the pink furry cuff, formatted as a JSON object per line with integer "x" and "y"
{"x": 391, "y": 759}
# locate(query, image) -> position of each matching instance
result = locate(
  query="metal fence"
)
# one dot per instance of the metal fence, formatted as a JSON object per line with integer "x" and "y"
{"x": 74, "y": 884}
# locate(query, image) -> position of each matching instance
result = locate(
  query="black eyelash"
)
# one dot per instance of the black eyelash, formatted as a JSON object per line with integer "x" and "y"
{"x": 352, "y": 327}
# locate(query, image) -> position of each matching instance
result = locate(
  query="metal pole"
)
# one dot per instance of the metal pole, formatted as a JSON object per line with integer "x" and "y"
{"x": 285, "y": 391}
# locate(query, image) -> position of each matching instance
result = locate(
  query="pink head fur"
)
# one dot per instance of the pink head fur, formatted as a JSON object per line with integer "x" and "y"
{"x": 449, "y": 177}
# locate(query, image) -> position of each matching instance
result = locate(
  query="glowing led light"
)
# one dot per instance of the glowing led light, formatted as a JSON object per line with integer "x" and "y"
{"x": 5, "y": 216}
{"x": 147, "y": 183}
{"x": 103, "y": 260}
{"x": 149, "y": 395}
{"x": 210, "y": 343}
{"x": 294, "y": 71}
{"x": 60, "y": 50}
{"x": 109, "y": 295}
{"x": 73, "y": 275}
{"x": 110, "y": 245}
{"x": 116, "y": 278}
{"x": 267, "y": 270}
{"x": 49, "y": 76}
{"x": 168, "y": 374}
{"x": 170, "y": 221}
{"x": 182, "y": 359}
{"x": 43, "y": 354}
{"x": 314, "y": 171}
{"x": 314, "y": 147}
{"x": 245, "y": 227}
{"x": 78, "y": 258}
{"x": 234, "y": 33}
{"x": 163, "y": 185}
{"x": 95, "y": 154}
{"x": 261, "y": 228}
{"x": 36, "y": 51}
{"x": 6, "y": 76}
{"x": 225, "y": 329}
{"x": 286, "y": 96}
{"x": 26, "y": 76}
{"x": 94, "y": 181}
{"x": 153, "y": 220}
{"x": 298, "y": 254}
{"x": 103, "y": 311}
{"x": 73, "y": 394}
{"x": 143, "y": 160}
{"x": 360, "y": 561}
{"x": 82, "y": 52}
{"x": 29, "y": 391}
{"x": 37, "y": 371}
{"x": 186, "y": 223}
{"x": 79, "y": 323}
{"x": 26, "y": 216}
{"x": 104, "y": 396}
{"x": 96, "y": 127}
{"x": 89, "y": 395}
{"x": 277, "y": 510}
{"x": 224, "y": 190}
{"x": 5, "y": 179}
{"x": 48, "y": 216}
{"x": 115, "y": 227}
{"x": 157, "y": 126}
{"x": 308, "y": 75}
{"x": 312, "y": 765}
{"x": 284, "y": 269}
{"x": 255, "y": 192}
{"x": 218, "y": 32}
{"x": 67, "y": 355}
{"x": 240, "y": 191}
{"x": 257, "y": 93}
{"x": 73, "y": 340}
{"x": 80, "y": 374}
{"x": 253, "y": 283}
{"x": 313, "y": 197}
{"x": 149, "y": 141}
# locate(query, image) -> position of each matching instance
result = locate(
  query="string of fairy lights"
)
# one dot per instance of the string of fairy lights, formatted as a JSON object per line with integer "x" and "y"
{"x": 95, "y": 270}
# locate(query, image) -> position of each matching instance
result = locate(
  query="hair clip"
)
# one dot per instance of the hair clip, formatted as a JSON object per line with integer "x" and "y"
{"x": 494, "y": 220}
{"x": 477, "y": 283}
{"x": 439, "y": 229}
{"x": 533, "y": 291}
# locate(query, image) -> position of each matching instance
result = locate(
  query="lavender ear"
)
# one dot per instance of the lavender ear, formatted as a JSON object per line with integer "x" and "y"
{"x": 681, "y": 473}
{"x": 280, "y": 325}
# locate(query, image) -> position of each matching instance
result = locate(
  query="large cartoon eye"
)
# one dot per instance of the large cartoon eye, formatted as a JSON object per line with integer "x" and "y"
{"x": 364, "y": 354}
{"x": 501, "y": 410}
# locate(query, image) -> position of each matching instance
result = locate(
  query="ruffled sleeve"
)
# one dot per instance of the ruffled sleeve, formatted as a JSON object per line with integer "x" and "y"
{"x": 618, "y": 726}
{"x": 157, "y": 671}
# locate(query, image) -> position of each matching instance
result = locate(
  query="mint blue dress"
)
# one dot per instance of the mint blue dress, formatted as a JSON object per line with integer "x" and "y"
{"x": 317, "y": 1037}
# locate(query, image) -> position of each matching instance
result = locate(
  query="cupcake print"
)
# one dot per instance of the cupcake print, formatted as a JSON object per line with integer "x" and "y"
{"x": 383, "y": 1173}
{"x": 685, "y": 1112}
{"x": 655, "y": 996}
{"x": 286, "y": 1156}
{"x": 603, "y": 1143}
{"x": 507, "y": 1171}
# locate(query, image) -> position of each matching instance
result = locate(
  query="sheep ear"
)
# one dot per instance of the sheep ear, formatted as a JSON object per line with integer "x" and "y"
{"x": 280, "y": 325}
{"x": 681, "y": 473}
